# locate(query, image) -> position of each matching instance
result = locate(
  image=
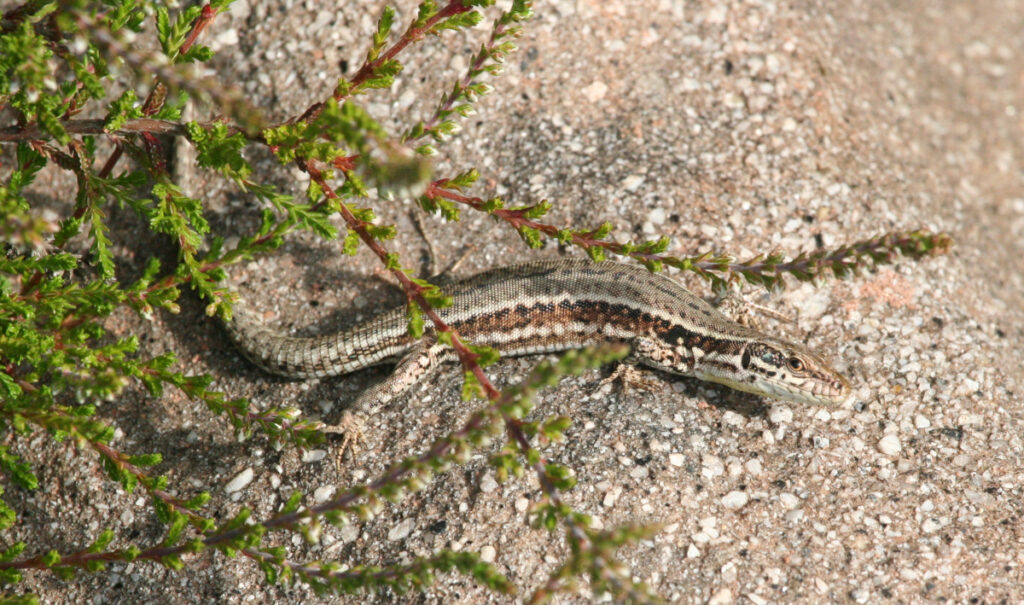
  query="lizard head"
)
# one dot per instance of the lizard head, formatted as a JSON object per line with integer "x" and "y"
{"x": 782, "y": 370}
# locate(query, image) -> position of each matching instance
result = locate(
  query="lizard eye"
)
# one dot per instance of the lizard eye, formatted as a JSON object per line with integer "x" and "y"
{"x": 795, "y": 363}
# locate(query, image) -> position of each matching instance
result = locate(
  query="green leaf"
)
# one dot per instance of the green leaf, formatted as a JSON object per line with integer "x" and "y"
{"x": 101, "y": 244}
{"x": 102, "y": 541}
{"x": 8, "y": 386}
{"x": 460, "y": 21}
{"x": 12, "y": 552}
{"x": 380, "y": 37}
{"x": 221, "y": 150}
{"x": 172, "y": 35}
{"x": 124, "y": 108}
{"x": 416, "y": 321}
{"x": 51, "y": 558}
{"x": 426, "y": 10}
{"x": 19, "y": 472}
{"x": 30, "y": 162}
{"x": 163, "y": 28}
{"x": 383, "y": 74}
{"x": 7, "y": 517}
{"x": 486, "y": 356}
{"x": 531, "y": 236}
{"x": 471, "y": 387}
{"x": 463, "y": 180}
{"x": 351, "y": 243}
{"x": 145, "y": 460}
{"x": 198, "y": 501}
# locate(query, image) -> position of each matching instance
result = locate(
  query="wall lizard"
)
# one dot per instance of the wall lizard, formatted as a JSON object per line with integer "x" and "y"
{"x": 549, "y": 306}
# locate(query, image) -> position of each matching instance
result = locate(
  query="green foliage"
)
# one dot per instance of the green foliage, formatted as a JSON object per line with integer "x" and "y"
{"x": 25, "y": 69}
{"x": 221, "y": 150}
{"x": 123, "y": 108}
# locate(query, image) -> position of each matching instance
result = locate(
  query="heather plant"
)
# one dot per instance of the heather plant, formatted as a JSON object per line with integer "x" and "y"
{"x": 66, "y": 107}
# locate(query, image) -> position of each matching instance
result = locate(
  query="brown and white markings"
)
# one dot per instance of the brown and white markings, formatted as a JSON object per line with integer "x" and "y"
{"x": 548, "y": 306}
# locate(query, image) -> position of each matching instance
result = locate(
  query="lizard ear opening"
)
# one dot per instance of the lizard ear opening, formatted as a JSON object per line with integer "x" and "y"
{"x": 745, "y": 359}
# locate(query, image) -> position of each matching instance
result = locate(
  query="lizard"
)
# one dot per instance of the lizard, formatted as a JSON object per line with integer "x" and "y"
{"x": 556, "y": 305}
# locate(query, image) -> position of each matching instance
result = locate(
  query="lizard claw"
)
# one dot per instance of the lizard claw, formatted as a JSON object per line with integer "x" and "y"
{"x": 351, "y": 427}
{"x": 627, "y": 375}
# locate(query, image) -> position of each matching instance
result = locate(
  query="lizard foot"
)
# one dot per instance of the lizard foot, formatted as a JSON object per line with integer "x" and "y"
{"x": 627, "y": 375}
{"x": 351, "y": 428}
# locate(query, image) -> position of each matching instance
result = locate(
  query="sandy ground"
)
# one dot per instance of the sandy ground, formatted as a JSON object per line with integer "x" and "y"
{"x": 739, "y": 127}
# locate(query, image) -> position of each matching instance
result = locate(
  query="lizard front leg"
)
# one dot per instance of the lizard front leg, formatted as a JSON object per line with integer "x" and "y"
{"x": 419, "y": 362}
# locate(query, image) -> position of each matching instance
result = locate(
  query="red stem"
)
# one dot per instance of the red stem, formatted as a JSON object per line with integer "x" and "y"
{"x": 454, "y": 7}
{"x": 413, "y": 291}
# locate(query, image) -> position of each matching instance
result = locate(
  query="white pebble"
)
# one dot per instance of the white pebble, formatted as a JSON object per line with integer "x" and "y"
{"x": 595, "y": 92}
{"x": 780, "y": 413}
{"x": 228, "y": 37}
{"x": 314, "y": 456}
{"x": 735, "y": 499}
{"x": 323, "y": 494}
{"x": 240, "y": 481}
{"x": 488, "y": 484}
{"x": 789, "y": 500}
{"x": 712, "y": 466}
{"x": 890, "y": 445}
{"x": 487, "y": 554}
{"x": 632, "y": 182}
{"x": 733, "y": 419}
{"x": 401, "y": 530}
{"x": 722, "y": 597}
{"x": 612, "y": 496}
{"x": 969, "y": 385}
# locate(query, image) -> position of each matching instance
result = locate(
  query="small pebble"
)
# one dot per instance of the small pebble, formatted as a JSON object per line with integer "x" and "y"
{"x": 722, "y": 597}
{"x": 487, "y": 554}
{"x": 240, "y": 481}
{"x": 611, "y": 497}
{"x": 735, "y": 499}
{"x": 401, "y": 531}
{"x": 488, "y": 484}
{"x": 890, "y": 445}
{"x": 314, "y": 456}
{"x": 788, "y": 500}
{"x": 656, "y": 216}
{"x": 780, "y": 413}
{"x": 323, "y": 494}
{"x": 632, "y": 182}
{"x": 595, "y": 92}
{"x": 712, "y": 466}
